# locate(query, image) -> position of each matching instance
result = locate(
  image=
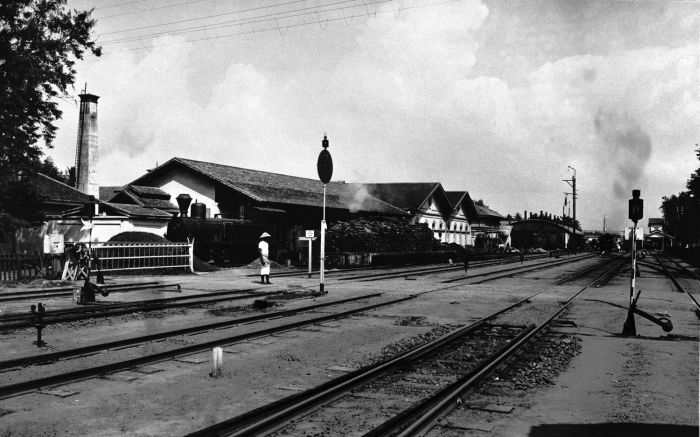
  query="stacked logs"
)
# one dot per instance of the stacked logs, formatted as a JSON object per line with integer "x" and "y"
{"x": 366, "y": 235}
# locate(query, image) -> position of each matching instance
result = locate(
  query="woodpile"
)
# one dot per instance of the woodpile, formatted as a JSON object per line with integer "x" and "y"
{"x": 365, "y": 235}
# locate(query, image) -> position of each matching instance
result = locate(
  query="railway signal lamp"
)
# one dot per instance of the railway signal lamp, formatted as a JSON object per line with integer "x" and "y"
{"x": 324, "y": 165}
{"x": 636, "y": 206}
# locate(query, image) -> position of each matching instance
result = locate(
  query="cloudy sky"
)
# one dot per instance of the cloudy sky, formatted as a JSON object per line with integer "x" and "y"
{"x": 494, "y": 97}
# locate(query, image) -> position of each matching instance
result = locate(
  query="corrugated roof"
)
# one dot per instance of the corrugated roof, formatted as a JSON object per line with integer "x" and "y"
{"x": 278, "y": 188}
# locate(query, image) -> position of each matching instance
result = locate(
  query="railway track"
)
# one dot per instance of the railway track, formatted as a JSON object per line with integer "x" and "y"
{"x": 66, "y": 377}
{"x": 677, "y": 283}
{"x": 102, "y": 309}
{"x": 505, "y": 273}
{"x": 24, "y": 320}
{"x": 278, "y": 415}
{"x": 406, "y": 267}
{"x": 68, "y": 291}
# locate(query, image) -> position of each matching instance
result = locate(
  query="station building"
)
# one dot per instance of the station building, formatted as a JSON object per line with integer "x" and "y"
{"x": 290, "y": 205}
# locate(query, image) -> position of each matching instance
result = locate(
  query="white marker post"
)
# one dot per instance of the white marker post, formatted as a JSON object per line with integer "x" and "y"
{"x": 310, "y": 237}
{"x": 217, "y": 360}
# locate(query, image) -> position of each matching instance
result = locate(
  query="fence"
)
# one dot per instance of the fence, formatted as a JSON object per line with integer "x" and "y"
{"x": 17, "y": 266}
{"x": 144, "y": 256}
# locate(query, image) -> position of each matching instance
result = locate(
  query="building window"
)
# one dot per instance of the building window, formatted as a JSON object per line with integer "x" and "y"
{"x": 241, "y": 211}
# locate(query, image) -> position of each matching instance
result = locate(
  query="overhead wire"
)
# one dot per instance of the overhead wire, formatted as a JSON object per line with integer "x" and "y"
{"x": 108, "y": 6}
{"x": 250, "y": 20}
{"x": 275, "y": 28}
{"x": 203, "y": 18}
{"x": 171, "y": 5}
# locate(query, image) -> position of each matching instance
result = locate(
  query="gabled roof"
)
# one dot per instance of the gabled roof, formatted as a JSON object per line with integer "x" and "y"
{"x": 62, "y": 200}
{"x": 266, "y": 187}
{"x": 149, "y": 197}
{"x": 54, "y": 191}
{"x": 138, "y": 211}
{"x": 410, "y": 196}
{"x": 106, "y": 193}
{"x": 463, "y": 199}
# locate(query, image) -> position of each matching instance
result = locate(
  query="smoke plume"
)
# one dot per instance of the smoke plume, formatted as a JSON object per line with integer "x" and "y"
{"x": 628, "y": 148}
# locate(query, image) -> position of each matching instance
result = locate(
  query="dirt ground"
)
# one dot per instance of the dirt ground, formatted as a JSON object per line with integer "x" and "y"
{"x": 614, "y": 384}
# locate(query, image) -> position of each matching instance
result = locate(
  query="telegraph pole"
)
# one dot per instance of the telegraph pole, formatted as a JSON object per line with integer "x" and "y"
{"x": 572, "y": 184}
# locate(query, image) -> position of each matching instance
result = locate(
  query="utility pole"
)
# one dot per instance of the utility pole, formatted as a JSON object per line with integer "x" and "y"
{"x": 572, "y": 184}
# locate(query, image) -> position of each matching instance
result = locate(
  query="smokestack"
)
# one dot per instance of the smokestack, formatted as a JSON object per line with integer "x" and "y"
{"x": 86, "y": 149}
{"x": 183, "y": 201}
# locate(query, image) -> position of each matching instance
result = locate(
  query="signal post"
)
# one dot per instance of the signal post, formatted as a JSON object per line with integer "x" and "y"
{"x": 636, "y": 212}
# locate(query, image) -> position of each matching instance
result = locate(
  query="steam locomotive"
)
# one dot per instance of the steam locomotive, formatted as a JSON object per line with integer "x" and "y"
{"x": 224, "y": 242}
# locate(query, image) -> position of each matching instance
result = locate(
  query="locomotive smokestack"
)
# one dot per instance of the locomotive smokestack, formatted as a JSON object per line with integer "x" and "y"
{"x": 183, "y": 201}
{"x": 86, "y": 148}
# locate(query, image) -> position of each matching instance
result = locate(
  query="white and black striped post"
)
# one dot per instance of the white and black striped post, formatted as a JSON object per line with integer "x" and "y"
{"x": 324, "y": 166}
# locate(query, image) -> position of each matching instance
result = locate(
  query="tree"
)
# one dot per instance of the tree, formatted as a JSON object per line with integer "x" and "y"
{"x": 40, "y": 42}
{"x": 682, "y": 212}
{"x": 518, "y": 217}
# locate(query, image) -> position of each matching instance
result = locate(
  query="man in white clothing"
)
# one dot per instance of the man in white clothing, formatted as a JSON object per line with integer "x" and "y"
{"x": 264, "y": 251}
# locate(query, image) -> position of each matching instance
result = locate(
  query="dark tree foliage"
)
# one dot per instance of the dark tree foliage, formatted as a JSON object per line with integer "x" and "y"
{"x": 40, "y": 41}
{"x": 682, "y": 211}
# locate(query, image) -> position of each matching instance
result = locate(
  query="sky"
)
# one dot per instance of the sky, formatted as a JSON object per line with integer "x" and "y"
{"x": 498, "y": 98}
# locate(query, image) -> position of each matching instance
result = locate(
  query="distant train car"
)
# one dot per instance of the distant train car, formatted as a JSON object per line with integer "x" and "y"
{"x": 606, "y": 243}
{"x": 223, "y": 241}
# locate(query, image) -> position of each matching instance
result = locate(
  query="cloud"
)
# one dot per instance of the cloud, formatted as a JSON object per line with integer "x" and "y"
{"x": 401, "y": 100}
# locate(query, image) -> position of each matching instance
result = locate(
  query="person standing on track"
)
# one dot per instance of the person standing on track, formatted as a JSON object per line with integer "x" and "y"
{"x": 264, "y": 252}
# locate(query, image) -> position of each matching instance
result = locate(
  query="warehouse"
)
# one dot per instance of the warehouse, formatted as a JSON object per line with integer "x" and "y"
{"x": 288, "y": 204}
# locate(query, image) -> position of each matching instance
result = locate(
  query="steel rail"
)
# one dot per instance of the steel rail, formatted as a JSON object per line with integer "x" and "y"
{"x": 16, "y": 321}
{"x": 27, "y": 295}
{"x": 516, "y": 270}
{"x": 581, "y": 273}
{"x": 405, "y": 274}
{"x": 680, "y": 287}
{"x": 422, "y": 416}
{"x": 681, "y": 267}
{"x": 427, "y": 270}
{"x": 71, "y": 287}
{"x": 269, "y": 416}
{"x": 134, "y": 341}
{"x": 15, "y": 389}
{"x": 475, "y": 263}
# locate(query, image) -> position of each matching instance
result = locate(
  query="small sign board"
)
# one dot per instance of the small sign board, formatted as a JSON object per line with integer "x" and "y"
{"x": 639, "y": 233}
{"x": 54, "y": 244}
{"x": 310, "y": 233}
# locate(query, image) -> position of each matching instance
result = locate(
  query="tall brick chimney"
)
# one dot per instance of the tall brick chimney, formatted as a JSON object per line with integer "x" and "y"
{"x": 86, "y": 149}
